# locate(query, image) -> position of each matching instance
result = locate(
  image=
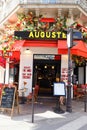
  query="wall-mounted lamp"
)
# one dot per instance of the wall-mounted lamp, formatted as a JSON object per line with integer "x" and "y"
{"x": 27, "y": 51}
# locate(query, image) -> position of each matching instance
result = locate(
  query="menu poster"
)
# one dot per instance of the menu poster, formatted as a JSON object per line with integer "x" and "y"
{"x": 59, "y": 89}
{"x": 27, "y": 72}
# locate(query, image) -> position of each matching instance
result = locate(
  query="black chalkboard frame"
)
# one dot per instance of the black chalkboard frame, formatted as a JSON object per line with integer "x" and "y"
{"x": 7, "y": 95}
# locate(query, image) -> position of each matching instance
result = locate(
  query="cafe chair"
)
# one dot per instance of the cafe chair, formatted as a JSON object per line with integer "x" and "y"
{"x": 75, "y": 91}
{"x": 1, "y": 87}
{"x": 84, "y": 87}
{"x": 35, "y": 92}
{"x": 78, "y": 92}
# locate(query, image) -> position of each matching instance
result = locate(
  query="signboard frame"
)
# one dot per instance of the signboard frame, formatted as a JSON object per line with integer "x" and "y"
{"x": 45, "y": 35}
{"x": 59, "y": 89}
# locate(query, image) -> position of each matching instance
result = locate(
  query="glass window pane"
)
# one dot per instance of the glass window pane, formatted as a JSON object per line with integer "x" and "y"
{"x": 44, "y": 1}
{"x": 52, "y": 1}
{"x": 48, "y": 1}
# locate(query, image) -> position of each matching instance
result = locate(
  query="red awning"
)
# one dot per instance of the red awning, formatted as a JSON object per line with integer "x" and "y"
{"x": 14, "y": 52}
{"x": 79, "y": 49}
{"x": 17, "y": 45}
{"x": 62, "y": 47}
{"x": 49, "y": 20}
{"x": 15, "y": 55}
{"x": 40, "y": 43}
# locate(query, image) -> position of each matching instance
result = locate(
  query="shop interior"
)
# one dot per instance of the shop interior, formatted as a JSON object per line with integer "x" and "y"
{"x": 45, "y": 71}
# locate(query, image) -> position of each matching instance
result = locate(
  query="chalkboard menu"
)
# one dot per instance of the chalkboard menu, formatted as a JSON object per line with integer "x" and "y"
{"x": 8, "y": 97}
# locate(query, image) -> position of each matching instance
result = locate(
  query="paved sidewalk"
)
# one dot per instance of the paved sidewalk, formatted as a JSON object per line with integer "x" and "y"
{"x": 45, "y": 118}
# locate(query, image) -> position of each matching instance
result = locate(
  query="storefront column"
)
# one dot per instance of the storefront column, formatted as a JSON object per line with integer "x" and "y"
{"x": 2, "y": 74}
{"x": 26, "y": 71}
{"x": 7, "y": 71}
{"x": 86, "y": 74}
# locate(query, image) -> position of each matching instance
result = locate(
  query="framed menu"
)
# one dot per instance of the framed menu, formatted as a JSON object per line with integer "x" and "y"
{"x": 59, "y": 89}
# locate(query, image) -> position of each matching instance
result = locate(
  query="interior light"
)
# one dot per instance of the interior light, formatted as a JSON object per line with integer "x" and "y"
{"x": 52, "y": 67}
{"x": 36, "y": 66}
{"x": 45, "y": 66}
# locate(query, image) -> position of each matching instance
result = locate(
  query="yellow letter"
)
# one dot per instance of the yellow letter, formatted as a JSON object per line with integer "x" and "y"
{"x": 53, "y": 34}
{"x": 59, "y": 34}
{"x": 31, "y": 35}
{"x": 42, "y": 34}
{"x": 63, "y": 35}
{"x": 36, "y": 34}
{"x": 48, "y": 34}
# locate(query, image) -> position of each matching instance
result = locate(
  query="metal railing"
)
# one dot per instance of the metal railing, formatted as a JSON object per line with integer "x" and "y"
{"x": 11, "y": 6}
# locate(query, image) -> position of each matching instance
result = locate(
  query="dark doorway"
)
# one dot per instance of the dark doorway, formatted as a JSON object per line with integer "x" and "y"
{"x": 45, "y": 69}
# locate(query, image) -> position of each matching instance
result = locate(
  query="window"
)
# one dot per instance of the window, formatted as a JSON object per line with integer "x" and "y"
{"x": 44, "y": 1}
{"x": 48, "y": 1}
{"x": 52, "y": 1}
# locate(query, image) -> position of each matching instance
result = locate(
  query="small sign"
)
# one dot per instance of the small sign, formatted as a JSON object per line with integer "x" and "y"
{"x": 59, "y": 89}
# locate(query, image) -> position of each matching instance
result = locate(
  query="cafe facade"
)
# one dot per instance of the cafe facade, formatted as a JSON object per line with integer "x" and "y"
{"x": 42, "y": 55}
{"x": 39, "y": 58}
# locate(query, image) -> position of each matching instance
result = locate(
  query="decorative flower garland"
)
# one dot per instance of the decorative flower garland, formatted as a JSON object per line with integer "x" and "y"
{"x": 30, "y": 22}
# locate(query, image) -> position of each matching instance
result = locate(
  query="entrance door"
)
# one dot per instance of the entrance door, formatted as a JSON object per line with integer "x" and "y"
{"x": 46, "y": 67}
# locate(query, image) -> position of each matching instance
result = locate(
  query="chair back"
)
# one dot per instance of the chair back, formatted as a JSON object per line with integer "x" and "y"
{"x": 36, "y": 90}
{"x": 1, "y": 87}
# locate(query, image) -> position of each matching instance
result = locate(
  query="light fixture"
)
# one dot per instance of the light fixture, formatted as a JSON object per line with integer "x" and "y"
{"x": 45, "y": 66}
{"x": 27, "y": 51}
{"x": 52, "y": 67}
{"x": 36, "y": 66}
